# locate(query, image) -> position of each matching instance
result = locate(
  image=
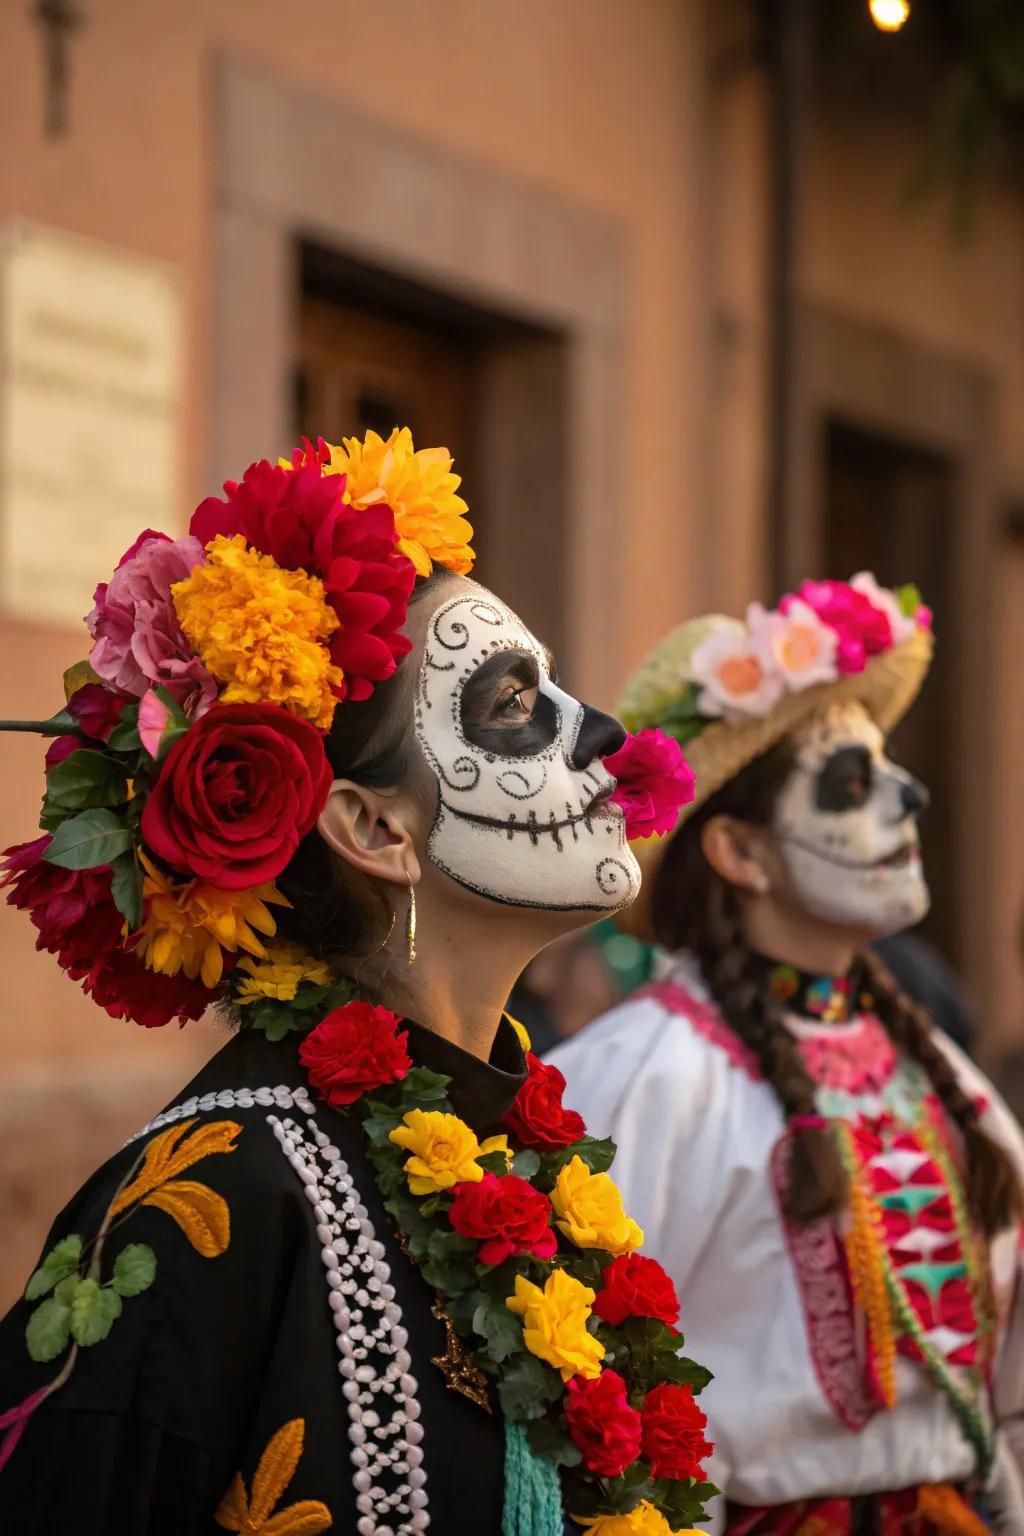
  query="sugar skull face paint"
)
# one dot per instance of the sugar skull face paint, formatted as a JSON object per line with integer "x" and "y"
{"x": 523, "y": 814}
{"x": 847, "y": 822}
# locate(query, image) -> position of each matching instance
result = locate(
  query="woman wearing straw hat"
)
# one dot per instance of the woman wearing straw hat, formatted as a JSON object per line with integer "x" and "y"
{"x": 832, "y": 1187}
{"x": 350, "y": 1278}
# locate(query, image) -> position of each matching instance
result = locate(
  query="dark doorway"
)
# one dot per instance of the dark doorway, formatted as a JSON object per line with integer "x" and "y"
{"x": 889, "y": 508}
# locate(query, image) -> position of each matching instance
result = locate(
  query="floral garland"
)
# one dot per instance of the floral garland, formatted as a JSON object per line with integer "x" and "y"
{"x": 535, "y": 1262}
{"x": 902, "y": 1312}
{"x": 824, "y": 631}
{"x": 190, "y": 761}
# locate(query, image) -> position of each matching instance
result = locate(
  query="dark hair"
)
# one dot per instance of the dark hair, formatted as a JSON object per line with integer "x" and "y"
{"x": 696, "y": 909}
{"x": 334, "y": 912}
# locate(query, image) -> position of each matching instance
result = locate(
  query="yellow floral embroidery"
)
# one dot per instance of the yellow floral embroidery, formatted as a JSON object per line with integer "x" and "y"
{"x": 200, "y": 1212}
{"x": 254, "y": 1515}
{"x": 865, "y": 1256}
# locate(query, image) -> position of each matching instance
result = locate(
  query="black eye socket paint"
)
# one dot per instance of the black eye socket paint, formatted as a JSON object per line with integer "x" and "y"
{"x": 480, "y": 695}
{"x": 845, "y": 781}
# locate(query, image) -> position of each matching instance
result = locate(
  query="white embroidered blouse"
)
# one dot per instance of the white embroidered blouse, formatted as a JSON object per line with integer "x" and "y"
{"x": 794, "y": 1411}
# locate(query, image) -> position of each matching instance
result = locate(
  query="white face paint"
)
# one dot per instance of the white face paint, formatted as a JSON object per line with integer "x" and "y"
{"x": 523, "y": 815}
{"x": 847, "y": 822}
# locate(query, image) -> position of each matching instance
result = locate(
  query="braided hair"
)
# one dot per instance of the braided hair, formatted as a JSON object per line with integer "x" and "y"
{"x": 696, "y": 909}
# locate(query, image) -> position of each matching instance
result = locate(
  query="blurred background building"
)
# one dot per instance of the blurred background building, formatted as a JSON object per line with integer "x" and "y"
{"x": 650, "y": 268}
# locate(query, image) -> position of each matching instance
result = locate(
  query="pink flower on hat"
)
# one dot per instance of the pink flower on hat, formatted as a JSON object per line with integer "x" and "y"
{"x": 732, "y": 675}
{"x": 862, "y": 629}
{"x": 794, "y": 645}
{"x": 137, "y": 638}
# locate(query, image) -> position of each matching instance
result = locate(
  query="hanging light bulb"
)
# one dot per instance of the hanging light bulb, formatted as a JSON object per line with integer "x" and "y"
{"x": 889, "y": 15}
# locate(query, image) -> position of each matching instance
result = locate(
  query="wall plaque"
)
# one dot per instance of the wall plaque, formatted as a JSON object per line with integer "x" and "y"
{"x": 90, "y": 364}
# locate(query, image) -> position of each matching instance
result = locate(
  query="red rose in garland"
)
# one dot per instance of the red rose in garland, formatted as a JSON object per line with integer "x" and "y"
{"x": 126, "y": 990}
{"x": 673, "y": 1433}
{"x": 355, "y": 1049}
{"x": 236, "y": 795}
{"x": 602, "y": 1424}
{"x": 635, "y": 1286}
{"x": 507, "y": 1216}
{"x": 537, "y": 1117}
{"x": 97, "y": 709}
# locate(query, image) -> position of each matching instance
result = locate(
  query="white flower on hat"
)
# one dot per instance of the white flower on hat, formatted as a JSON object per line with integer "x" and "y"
{"x": 881, "y": 597}
{"x": 733, "y": 678}
{"x": 794, "y": 645}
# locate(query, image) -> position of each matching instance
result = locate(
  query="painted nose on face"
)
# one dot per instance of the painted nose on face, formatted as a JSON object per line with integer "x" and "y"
{"x": 600, "y": 735}
{"x": 914, "y": 797}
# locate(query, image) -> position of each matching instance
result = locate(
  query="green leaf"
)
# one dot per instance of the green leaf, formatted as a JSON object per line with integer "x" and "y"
{"x": 93, "y": 1310}
{"x": 59, "y": 1262}
{"x": 89, "y": 840}
{"x": 526, "y": 1163}
{"x": 126, "y": 889}
{"x": 67, "y": 1287}
{"x": 597, "y": 1154}
{"x": 134, "y": 1269}
{"x": 48, "y": 1330}
{"x": 86, "y": 778}
{"x": 909, "y": 599}
{"x": 527, "y": 1387}
{"x": 125, "y": 735}
{"x": 500, "y": 1329}
{"x": 424, "y": 1086}
{"x": 493, "y": 1162}
{"x": 549, "y": 1439}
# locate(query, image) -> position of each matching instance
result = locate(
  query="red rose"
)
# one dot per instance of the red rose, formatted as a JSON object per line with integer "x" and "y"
{"x": 72, "y": 908}
{"x": 673, "y": 1433}
{"x": 635, "y": 1286}
{"x": 97, "y": 709}
{"x": 508, "y": 1214}
{"x": 60, "y": 748}
{"x": 236, "y": 794}
{"x": 536, "y": 1117}
{"x": 355, "y": 1049}
{"x": 123, "y": 987}
{"x": 602, "y": 1424}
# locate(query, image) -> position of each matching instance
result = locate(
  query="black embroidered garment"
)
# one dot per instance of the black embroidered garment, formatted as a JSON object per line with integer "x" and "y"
{"x": 284, "y": 1370}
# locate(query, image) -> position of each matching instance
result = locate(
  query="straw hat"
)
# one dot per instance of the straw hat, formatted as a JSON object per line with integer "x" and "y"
{"x": 664, "y": 692}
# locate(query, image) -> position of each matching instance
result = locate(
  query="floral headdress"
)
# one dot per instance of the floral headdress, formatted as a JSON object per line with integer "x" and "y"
{"x": 729, "y": 689}
{"x": 190, "y": 759}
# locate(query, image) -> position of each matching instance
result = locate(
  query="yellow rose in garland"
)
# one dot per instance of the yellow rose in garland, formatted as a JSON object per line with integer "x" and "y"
{"x": 444, "y": 1151}
{"x": 644, "y": 1520}
{"x": 555, "y": 1323}
{"x": 589, "y": 1208}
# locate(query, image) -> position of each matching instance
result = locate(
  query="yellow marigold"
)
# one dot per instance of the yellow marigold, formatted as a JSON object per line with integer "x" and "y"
{"x": 444, "y": 1150}
{"x": 555, "y": 1323}
{"x": 418, "y": 486}
{"x": 261, "y": 630}
{"x": 279, "y": 974}
{"x": 644, "y": 1520}
{"x": 590, "y": 1208}
{"x": 188, "y": 927}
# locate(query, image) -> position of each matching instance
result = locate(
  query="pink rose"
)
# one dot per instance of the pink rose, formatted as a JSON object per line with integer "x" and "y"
{"x": 137, "y": 638}
{"x": 654, "y": 782}
{"x": 862, "y": 628}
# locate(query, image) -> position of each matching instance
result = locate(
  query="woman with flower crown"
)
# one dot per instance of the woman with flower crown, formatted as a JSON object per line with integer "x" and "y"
{"x": 364, "y": 1274}
{"x": 834, "y": 1190}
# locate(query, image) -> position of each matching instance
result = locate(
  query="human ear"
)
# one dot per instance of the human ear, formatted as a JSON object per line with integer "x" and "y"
{"x": 734, "y": 850}
{"x": 371, "y": 831}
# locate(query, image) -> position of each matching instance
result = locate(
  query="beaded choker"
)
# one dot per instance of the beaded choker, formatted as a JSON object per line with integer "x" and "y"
{"x": 832, "y": 999}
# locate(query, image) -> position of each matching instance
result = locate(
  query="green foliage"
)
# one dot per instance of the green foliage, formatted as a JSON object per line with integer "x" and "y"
{"x": 134, "y": 1269}
{"x": 528, "y": 1387}
{"x": 61, "y": 1261}
{"x": 48, "y": 1330}
{"x": 85, "y": 779}
{"x": 86, "y": 841}
{"x": 597, "y": 1154}
{"x": 126, "y": 888}
{"x": 125, "y": 735}
{"x": 309, "y": 1007}
{"x": 94, "y": 1308}
{"x": 500, "y": 1329}
{"x": 526, "y": 1164}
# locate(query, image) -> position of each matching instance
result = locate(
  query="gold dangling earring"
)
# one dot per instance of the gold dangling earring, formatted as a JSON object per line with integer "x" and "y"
{"x": 410, "y": 924}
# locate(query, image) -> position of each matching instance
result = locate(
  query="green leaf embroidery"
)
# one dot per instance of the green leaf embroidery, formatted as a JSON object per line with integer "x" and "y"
{"x": 86, "y": 778}
{"x": 95, "y": 837}
{"x": 59, "y": 1262}
{"x": 93, "y": 1310}
{"x": 126, "y": 888}
{"x": 134, "y": 1269}
{"x": 48, "y": 1330}
{"x": 67, "y": 1287}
